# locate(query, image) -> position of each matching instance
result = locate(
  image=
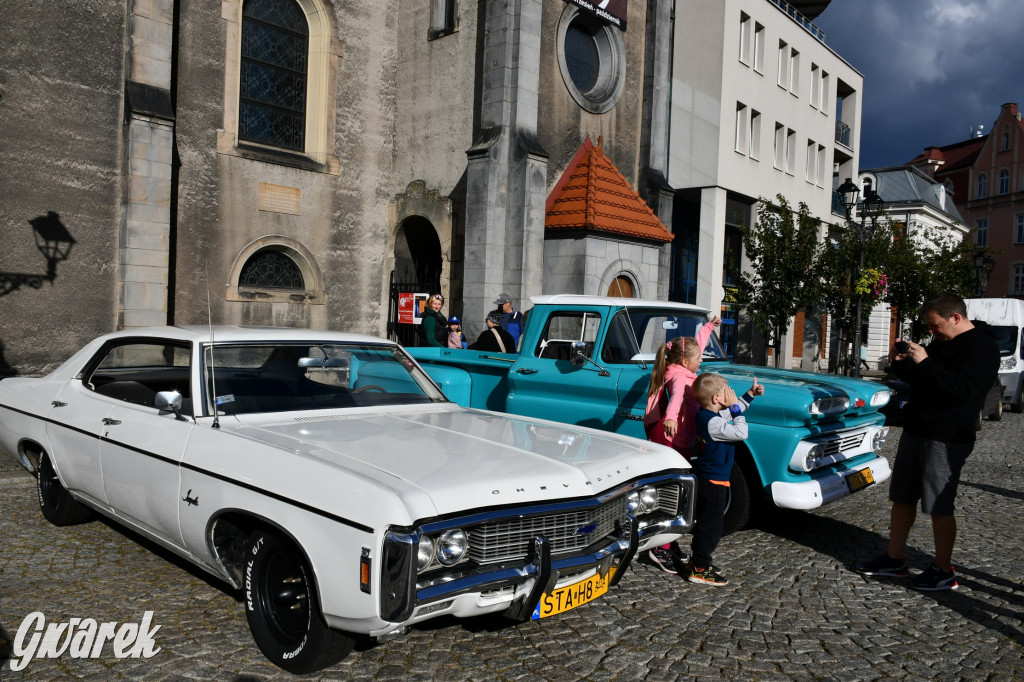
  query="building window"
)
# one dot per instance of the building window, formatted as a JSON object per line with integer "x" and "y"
{"x": 1018, "y": 237}
{"x": 811, "y": 170}
{"x": 779, "y": 158}
{"x": 755, "y": 134}
{"x": 272, "y": 89}
{"x": 982, "y": 186}
{"x": 742, "y": 129}
{"x": 1006, "y": 139}
{"x": 790, "y": 151}
{"x": 745, "y": 37}
{"x": 444, "y": 18}
{"x": 981, "y": 236}
{"x": 815, "y": 86}
{"x": 1018, "y": 280}
{"x": 783, "y": 65}
{"x": 592, "y": 59}
{"x": 758, "y": 48}
{"x": 822, "y": 160}
{"x": 271, "y": 269}
{"x": 1004, "y": 181}
{"x": 794, "y": 72}
{"x": 824, "y": 92}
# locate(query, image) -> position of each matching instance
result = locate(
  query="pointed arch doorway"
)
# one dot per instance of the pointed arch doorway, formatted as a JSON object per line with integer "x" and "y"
{"x": 417, "y": 270}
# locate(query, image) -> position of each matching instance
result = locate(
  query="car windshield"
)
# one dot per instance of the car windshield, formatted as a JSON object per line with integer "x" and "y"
{"x": 1006, "y": 339}
{"x": 284, "y": 377}
{"x": 636, "y": 334}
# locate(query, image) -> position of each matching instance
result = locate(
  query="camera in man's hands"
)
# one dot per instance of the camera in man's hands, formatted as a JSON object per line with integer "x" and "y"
{"x": 902, "y": 347}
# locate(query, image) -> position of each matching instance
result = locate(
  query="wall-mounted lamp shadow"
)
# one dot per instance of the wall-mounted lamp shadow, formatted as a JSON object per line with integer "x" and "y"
{"x": 53, "y": 241}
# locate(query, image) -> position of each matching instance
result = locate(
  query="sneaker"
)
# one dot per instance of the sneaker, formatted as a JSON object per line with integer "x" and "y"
{"x": 706, "y": 576}
{"x": 932, "y": 580}
{"x": 883, "y": 564}
{"x": 663, "y": 559}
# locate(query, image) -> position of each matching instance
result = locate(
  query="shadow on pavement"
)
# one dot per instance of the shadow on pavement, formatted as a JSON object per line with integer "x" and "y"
{"x": 847, "y": 544}
{"x": 995, "y": 490}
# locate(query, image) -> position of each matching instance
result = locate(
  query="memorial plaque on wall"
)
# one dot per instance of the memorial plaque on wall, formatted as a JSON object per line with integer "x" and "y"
{"x": 609, "y": 11}
{"x": 280, "y": 199}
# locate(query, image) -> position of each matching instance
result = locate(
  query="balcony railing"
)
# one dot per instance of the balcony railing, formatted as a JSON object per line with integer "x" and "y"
{"x": 843, "y": 134}
{"x": 799, "y": 18}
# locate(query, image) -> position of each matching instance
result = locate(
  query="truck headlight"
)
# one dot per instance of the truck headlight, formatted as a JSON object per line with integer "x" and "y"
{"x": 1008, "y": 362}
{"x": 881, "y": 398}
{"x": 452, "y": 546}
{"x": 812, "y": 457}
{"x": 425, "y": 553}
{"x": 878, "y": 440}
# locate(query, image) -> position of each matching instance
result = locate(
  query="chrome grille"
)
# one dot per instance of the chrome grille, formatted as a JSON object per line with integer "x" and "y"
{"x": 843, "y": 443}
{"x": 509, "y": 539}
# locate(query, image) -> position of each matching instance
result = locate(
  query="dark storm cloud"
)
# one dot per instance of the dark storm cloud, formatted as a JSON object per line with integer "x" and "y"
{"x": 932, "y": 68}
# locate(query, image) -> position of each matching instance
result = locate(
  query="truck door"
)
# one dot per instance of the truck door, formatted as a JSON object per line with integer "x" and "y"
{"x": 545, "y": 383}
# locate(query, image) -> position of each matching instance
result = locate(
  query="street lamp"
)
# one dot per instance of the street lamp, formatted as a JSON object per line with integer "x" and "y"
{"x": 983, "y": 266}
{"x": 871, "y": 208}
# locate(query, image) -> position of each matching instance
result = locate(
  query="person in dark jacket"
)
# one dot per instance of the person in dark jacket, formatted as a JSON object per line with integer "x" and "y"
{"x": 434, "y": 324}
{"x": 495, "y": 339}
{"x": 949, "y": 379}
{"x": 512, "y": 320}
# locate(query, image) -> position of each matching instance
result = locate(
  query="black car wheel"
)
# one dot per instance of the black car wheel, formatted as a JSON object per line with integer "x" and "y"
{"x": 55, "y": 502}
{"x": 283, "y": 611}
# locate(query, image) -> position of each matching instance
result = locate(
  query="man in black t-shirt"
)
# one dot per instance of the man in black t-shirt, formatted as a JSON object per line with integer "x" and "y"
{"x": 949, "y": 379}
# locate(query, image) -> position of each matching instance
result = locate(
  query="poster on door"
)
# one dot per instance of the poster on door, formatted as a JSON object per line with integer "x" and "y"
{"x": 410, "y": 307}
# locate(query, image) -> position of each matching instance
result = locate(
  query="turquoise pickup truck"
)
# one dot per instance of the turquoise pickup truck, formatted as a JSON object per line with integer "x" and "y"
{"x": 587, "y": 360}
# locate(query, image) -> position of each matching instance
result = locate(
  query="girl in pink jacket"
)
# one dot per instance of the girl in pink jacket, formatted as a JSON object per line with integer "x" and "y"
{"x": 671, "y": 407}
{"x": 672, "y": 410}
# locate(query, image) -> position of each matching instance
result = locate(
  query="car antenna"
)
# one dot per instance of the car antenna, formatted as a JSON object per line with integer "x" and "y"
{"x": 629, "y": 319}
{"x": 213, "y": 372}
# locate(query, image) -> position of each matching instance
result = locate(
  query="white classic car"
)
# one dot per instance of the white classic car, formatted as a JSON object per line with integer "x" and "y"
{"x": 327, "y": 478}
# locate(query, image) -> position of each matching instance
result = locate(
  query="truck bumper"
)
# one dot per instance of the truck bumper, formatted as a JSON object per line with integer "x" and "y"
{"x": 824, "y": 489}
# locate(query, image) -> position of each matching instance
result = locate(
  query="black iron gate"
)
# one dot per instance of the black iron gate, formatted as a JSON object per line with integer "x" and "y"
{"x": 403, "y": 333}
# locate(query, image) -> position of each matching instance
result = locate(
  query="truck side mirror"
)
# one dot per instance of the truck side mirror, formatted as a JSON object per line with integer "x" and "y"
{"x": 578, "y": 359}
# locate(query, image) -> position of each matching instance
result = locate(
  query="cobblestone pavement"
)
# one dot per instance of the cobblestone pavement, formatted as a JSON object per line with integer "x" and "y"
{"x": 793, "y": 609}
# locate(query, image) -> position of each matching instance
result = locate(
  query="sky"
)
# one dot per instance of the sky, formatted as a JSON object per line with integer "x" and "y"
{"x": 933, "y": 69}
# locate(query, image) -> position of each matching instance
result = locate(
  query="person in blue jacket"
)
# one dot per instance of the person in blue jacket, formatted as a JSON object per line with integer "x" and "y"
{"x": 720, "y": 423}
{"x": 512, "y": 320}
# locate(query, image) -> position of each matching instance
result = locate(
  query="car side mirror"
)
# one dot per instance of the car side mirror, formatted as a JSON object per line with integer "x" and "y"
{"x": 169, "y": 401}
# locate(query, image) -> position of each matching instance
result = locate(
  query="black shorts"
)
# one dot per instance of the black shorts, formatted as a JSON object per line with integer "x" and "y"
{"x": 929, "y": 471}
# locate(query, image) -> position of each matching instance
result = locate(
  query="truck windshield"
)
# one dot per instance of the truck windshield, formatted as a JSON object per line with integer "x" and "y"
{"x": 284, "y": 377}
{"x": 636, "y": 334}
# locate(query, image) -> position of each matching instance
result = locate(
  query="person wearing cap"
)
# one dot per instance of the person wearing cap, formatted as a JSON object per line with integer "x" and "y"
{"x": 495, "y": 339}
{"x": 456, "y": 339}
{"x": 511, "y": 319}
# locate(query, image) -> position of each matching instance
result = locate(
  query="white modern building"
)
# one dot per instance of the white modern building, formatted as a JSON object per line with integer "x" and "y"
{"x": 760, "y": 106}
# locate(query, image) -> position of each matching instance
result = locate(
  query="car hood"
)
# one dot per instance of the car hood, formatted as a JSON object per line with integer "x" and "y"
{"x": 790, "y": 392}
{"x": 463, "y": 459}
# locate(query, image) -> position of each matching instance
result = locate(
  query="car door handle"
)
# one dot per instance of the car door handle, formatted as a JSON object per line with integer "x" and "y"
{"x": 111, "y": 422}
{"x": 525, "y": 370}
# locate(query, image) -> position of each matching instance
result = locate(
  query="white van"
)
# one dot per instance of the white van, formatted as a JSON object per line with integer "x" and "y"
{"x": 1006, "y": 317}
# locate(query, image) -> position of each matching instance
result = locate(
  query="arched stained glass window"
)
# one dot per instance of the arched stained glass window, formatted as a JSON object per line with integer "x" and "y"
{"x": 272, "y": 93}
{"x": 270, "y": 269}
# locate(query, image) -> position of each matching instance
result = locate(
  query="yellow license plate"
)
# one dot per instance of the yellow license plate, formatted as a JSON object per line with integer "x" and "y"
{"x": 861, "y": 479}
{"x": 569, "y": 597}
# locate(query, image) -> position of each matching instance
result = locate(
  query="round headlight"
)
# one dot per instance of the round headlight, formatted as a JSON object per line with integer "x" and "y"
{"x": 425, "y": 552}
{"x": 452, "y": 546}
{"x": 648, "y": 499}
{"x": 632, "y": 502}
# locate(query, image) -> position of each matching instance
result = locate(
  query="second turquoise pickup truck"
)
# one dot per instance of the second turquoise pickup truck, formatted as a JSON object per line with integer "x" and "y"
{"x": 587, "y": 360}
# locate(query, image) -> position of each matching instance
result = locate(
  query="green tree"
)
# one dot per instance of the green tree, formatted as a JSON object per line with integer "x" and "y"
{"x": 780, "y": 248}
